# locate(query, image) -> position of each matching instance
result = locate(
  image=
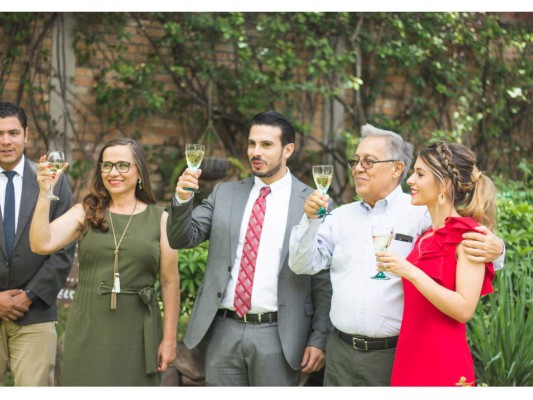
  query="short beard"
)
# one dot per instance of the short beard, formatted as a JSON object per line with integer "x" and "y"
{"x": 268, "y": 173}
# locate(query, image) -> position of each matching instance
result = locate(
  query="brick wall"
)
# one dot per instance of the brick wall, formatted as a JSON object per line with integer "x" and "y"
{"x": 90, "y": 124}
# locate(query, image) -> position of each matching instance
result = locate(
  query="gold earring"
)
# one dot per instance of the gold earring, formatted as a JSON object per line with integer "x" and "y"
{"x": 140, "y": 184}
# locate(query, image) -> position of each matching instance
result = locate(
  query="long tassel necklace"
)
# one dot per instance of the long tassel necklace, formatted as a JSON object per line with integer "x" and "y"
{"x": 116, "y": 275}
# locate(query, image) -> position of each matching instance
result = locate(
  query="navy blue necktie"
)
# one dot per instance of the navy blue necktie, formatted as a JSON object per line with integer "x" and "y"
{"x": 9, "y": 214}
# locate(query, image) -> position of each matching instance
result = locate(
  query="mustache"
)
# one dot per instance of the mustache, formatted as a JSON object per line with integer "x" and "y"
{"x": 256, "y": 159}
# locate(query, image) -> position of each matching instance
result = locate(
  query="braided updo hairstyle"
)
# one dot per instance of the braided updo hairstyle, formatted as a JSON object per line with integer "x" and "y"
{"x": 472, "y": 192}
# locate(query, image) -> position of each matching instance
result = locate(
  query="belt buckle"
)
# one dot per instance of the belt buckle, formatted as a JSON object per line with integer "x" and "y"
{"x": 355, "y": 342}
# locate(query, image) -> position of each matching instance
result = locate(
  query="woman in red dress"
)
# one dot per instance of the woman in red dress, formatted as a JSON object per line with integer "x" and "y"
{"x": 442, "y": 285}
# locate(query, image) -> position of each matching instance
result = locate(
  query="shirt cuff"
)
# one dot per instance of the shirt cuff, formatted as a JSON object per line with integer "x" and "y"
{"x": 499, "y": 262}
{"x": 176, "y": 201}
{"x": 31, "y": 295}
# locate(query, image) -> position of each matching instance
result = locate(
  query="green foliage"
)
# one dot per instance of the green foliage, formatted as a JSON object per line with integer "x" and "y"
{"x": 466, "y": 77}
{"x": 125, "y": 89}
{"x": 515, "y": 224}
{"x": 515, "y": 215}
{"x": 462, "y": 81}
{"x": 501, "y": 331}
{"x": 170, "y": 163}
{"x": 191, "y": 266}
{"x": 459, "y": 82}
{"x": 242, "y": 171}
{"x": 8, "y": 379}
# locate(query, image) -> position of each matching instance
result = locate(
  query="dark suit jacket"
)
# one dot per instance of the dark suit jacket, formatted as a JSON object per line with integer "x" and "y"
{"x": 44, "y": 275}
{"x": 303, "y": 300}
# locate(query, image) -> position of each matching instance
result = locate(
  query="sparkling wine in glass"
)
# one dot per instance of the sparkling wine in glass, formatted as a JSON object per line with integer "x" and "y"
{"x": 194, "y": 154}
{"x": 56, "y": 162}
{"x": 323, "y": 175}
{"x": 382, "y": 238}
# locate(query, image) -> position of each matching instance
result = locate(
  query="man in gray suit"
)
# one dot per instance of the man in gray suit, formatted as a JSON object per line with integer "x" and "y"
{"x": 285, "y": 328}
{"x": 29, "y": 283}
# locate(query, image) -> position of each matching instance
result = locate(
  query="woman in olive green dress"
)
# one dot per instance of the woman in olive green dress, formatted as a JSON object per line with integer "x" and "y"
{"x": 114, "y": 335}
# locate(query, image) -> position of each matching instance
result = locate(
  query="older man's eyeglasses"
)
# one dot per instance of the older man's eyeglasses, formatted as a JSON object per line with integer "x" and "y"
{"x": 121, "y": 166}
{"x": 366, "y": 163}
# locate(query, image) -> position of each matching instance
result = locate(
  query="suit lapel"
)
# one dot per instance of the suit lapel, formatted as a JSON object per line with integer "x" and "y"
{"x": 238, "y": 205}
{"x": 296, "y": 210}
{"x": 30, "y": 191}
{"x": 2, "y": 238}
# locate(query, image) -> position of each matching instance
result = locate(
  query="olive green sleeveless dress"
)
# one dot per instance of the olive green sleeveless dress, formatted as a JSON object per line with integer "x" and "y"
{"x": 105, "y": 347}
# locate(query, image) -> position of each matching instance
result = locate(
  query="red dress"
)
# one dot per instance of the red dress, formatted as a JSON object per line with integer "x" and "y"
{"x": 432, "y": 348}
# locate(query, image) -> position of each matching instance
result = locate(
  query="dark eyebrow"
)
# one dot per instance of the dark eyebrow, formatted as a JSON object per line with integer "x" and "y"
{"x": 11, "y": 131}
{"x": 250, "y": 141}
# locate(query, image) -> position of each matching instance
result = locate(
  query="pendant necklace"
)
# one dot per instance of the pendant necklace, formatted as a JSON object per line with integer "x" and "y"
{"x": 116, "y": 276}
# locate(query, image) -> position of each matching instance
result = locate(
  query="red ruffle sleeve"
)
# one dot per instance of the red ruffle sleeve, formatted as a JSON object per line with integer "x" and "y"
{"x": 437, "y": 249}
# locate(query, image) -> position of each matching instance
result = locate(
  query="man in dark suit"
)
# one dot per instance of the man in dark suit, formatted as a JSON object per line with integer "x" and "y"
{"x": 283, "y": 328}
{"x": 29, "y": 283}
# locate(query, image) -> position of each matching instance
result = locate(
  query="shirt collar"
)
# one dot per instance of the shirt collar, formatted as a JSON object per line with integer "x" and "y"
{"x": 385, "y": 204}
{"x": 19, "y": 168}
{"x": 280, "y": 184}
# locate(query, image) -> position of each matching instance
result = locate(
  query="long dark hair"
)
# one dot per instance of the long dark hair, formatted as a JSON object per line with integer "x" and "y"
{"x": 97, "y": 201}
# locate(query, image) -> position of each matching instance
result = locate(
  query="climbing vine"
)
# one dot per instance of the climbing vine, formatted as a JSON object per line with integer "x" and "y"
{"x": 462, "y": 76}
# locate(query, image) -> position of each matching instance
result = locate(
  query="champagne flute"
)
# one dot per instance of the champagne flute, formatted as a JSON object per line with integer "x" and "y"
{"x": 56, "y": 162}
{"x": 323, "y": 175}
{"x": 194, "y": 154}
{"x": 382, "y": 238}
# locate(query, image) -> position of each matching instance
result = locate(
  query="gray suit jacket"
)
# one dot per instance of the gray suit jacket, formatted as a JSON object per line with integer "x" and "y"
{"x": 303, "y": 300}
{"x": 44, "y": 275}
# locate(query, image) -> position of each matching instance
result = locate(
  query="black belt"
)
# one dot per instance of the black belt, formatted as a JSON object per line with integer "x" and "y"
{"x": 249, "y": 318}
{"x": 367, "y": 343}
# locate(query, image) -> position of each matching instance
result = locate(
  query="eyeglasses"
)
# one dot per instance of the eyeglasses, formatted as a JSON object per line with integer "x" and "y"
{"x": 121, "y": 166}
{"x": 366, "y": 163}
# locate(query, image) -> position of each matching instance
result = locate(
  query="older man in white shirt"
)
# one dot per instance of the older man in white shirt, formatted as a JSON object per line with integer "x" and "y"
{"x": 365, "y": 312}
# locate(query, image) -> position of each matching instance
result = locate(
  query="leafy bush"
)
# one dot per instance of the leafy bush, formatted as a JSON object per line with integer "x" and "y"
{"x": 191, "y": 266}
{"x": 515, "y": 221}
{"x": 501, "y": 331}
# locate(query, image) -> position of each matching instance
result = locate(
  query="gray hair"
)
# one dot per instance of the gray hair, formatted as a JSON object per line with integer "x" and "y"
{"x": 397, "y": 148}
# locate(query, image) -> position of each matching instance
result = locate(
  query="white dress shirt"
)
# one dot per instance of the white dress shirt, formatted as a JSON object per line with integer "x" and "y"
{"x": 343, "y": 242}
{"x": 17, "y": 184}
{"x": 265, "y": 287}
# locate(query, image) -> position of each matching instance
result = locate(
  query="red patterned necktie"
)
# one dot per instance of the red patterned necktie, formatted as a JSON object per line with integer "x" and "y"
{"x": 243, "y": 290}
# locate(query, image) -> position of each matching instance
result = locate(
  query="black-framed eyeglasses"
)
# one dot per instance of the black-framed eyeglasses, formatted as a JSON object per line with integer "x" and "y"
{"x": 366, "y": 163}
{"x": 121, "y": 166}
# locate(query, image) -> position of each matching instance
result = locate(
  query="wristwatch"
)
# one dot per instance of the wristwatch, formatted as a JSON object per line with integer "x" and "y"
{"x": 31, "y": 295}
